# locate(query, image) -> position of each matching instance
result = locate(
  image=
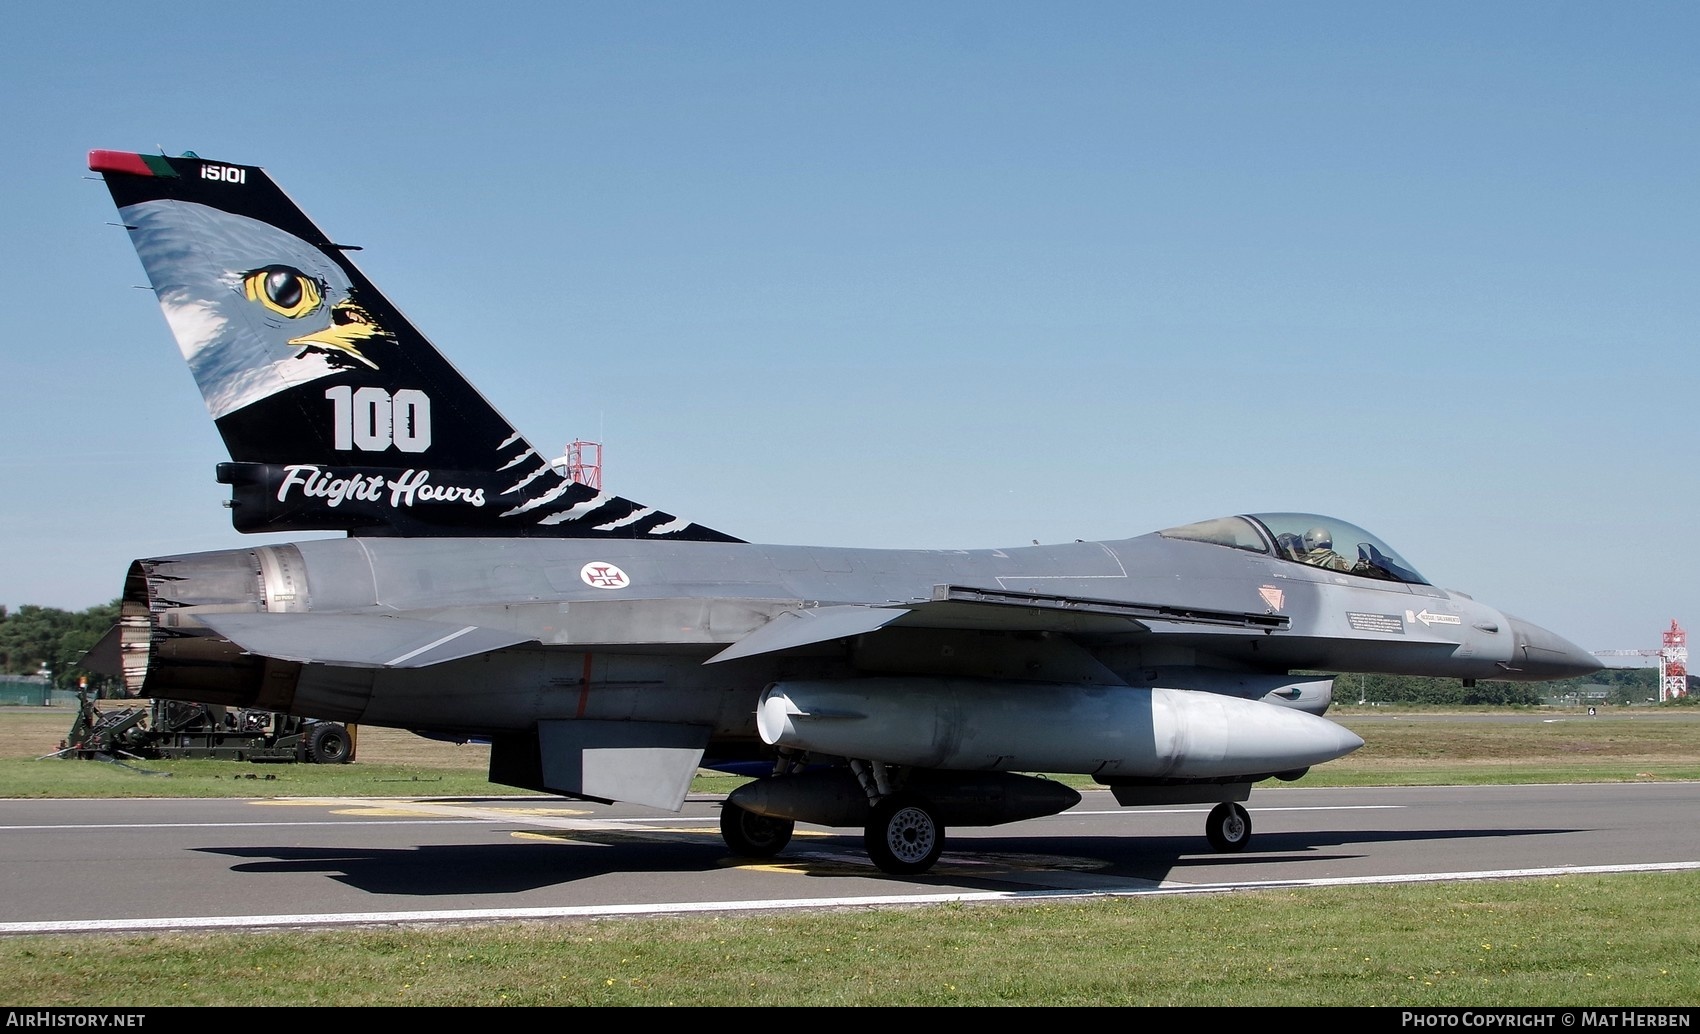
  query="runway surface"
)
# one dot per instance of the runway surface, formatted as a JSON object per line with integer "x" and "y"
{"x": 129, "y": 865}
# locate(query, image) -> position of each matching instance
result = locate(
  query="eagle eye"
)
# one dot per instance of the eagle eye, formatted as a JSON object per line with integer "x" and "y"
{"x": 284, "y": 290}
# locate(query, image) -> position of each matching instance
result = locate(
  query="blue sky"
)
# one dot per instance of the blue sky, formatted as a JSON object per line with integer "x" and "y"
{"x": 933, "y": 275}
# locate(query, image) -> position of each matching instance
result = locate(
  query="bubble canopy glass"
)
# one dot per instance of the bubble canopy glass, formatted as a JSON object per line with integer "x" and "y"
{"x": 1295, "y": 536}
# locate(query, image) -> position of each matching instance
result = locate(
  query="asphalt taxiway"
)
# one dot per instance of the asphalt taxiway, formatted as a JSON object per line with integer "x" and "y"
{"x": 182, "y": 864}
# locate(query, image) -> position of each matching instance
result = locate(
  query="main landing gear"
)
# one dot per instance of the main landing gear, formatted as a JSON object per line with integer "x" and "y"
{"x": 903, "y": 826}
{"x": 903, "y": 835}
{"x": 757, "y": 836}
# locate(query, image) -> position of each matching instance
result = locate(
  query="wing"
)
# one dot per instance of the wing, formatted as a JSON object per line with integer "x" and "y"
{"x": 968, "y": 609}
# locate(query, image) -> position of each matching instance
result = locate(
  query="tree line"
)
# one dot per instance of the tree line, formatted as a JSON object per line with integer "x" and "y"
{"x": 1610, "y": 686}
{"x": 47, "y": 640}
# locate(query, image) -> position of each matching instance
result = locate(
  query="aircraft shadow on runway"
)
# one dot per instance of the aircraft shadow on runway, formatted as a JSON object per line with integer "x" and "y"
{"x": 535, "y": 858}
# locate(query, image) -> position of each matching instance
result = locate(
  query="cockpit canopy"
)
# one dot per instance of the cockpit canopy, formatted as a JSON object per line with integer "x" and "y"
{"x": 1304, "y": 538}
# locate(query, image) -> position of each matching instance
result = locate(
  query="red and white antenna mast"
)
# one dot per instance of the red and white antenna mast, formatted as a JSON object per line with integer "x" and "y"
{"x": 1673, "y": 664}
{"x": 583, "y": 463}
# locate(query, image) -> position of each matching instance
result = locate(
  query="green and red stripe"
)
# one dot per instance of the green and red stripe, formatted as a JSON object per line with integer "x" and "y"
{"x": 131, "y": 164}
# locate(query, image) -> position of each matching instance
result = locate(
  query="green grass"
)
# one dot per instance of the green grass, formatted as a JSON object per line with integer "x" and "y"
{"x": 1584, "y": 940}
{"x": 1579, "y": 940}
{"x": 59, "y": 779}
{"x": 1419, "y": 748}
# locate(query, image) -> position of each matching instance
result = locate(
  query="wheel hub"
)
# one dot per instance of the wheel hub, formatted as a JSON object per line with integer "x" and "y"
{"x": 911, "y": 834}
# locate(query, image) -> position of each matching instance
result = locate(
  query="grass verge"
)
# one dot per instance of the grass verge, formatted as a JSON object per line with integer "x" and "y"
{"x": 1583, "y": 940}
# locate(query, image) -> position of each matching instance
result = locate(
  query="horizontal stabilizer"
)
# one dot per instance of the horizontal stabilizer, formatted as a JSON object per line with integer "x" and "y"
{"x": 358, "y": 641}
{"x": 103, "y": 657}
{"x": 794, "y": 628}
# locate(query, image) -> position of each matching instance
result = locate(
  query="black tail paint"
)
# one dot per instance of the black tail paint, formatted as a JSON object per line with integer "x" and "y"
{"x": 337, "y": 413}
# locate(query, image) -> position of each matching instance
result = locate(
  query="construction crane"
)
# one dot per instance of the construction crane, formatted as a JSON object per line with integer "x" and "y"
{"x": 1673, "y": 662}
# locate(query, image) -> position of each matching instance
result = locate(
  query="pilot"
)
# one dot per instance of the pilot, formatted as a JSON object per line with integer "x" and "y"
{"x": 1319, "y": 550}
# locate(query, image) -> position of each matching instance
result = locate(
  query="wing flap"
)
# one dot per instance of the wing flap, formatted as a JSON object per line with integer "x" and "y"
{"x": 358, "y": 640}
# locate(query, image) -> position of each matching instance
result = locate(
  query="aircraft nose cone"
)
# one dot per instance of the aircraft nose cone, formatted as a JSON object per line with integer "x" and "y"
{"x": 1542, "y": 655}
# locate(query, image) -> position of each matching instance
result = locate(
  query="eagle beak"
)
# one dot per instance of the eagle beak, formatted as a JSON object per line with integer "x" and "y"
{"x": 350, "y": 325}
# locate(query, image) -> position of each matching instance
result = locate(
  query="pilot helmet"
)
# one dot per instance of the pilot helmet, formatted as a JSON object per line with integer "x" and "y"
{"x": 1318, "y": 538}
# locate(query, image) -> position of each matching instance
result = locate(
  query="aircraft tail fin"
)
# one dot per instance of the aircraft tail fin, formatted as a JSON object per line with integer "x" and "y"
{"x": 337, "y": 413}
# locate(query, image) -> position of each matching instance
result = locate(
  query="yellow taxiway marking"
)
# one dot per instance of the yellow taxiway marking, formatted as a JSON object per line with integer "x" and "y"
{"x": 413, "y": 809}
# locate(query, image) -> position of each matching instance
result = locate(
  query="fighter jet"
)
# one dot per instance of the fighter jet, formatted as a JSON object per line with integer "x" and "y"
{"x": 608, "y": 650}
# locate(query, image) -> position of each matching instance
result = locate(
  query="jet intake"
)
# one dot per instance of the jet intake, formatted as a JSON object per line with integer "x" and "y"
{"x": 1006, "y": 725}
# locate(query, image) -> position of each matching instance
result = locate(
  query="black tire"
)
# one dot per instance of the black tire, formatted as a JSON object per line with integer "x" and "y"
{"x": 329, "y": 744}
{"x": 904, "y": 836}
{"x": 1228, "y": 828}
{"x": 752, "y": 835}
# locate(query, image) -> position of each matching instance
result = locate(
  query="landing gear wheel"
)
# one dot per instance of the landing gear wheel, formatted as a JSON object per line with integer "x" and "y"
{"x": 328, "y": 744}
{"x": 903, "y": 836}
{"x": 1228, "y": 827}
{"x": 756, "y": 836}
